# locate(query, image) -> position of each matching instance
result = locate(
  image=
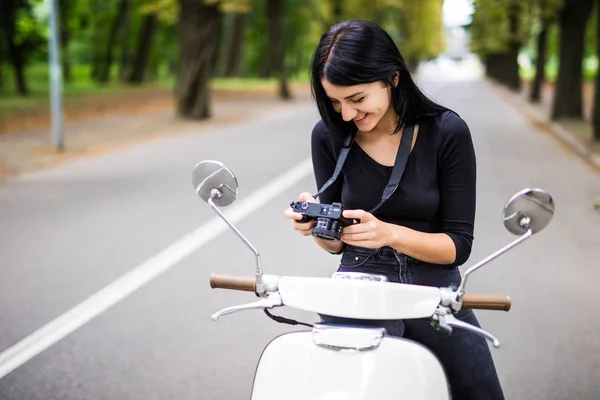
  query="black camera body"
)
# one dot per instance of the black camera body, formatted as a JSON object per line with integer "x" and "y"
{"x": 329, "y": 219}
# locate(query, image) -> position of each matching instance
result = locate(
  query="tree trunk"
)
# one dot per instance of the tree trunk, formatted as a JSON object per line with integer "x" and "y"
{"x": 3, "y": 55}
{"x": 540, "y": 63}
{"x": 275, "y": 17}
{"x": 284, "y": 88}
{"x": 199, "y": 30}
{"x": 112, "y": 41}
{"x": 511, "y": 76}
{"x": 124, "y": 62}
{"x": 15, "y": 53}
{"x": 596, "y": 110}
{"x": 236, "y": 55}
{"x": 223, "y": 46}
{"x": 8, "y": 12}
{"x": 143, "y": 49}
{"x": 1, "y": 66}
{"x": 572, "y": 21}
{"x": 503, "y": 68}
{"x": 265, "y": 62}
{"x": 97, "y": 8}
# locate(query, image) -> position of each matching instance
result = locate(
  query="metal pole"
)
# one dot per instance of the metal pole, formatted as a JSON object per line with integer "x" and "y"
{"x": 55, "y": 77}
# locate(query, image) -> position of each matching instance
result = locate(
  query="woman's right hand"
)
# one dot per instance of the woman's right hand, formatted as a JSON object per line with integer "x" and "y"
{"x": 304, "y": 228}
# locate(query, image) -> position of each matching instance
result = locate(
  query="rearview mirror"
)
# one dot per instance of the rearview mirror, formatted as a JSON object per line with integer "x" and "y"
{"x": 213, "y": 180}
{"x": 528, "y": 209}
{"x": 525, "y": 213}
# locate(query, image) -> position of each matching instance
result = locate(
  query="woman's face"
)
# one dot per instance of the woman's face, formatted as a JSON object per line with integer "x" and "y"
{"x": 365, "y": 104}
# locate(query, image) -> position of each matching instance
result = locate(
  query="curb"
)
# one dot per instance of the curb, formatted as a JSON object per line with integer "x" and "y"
{"x": 539, "y": 120}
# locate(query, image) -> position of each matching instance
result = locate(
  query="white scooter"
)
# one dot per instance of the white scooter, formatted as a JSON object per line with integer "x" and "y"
{"x": 335, "y": 362}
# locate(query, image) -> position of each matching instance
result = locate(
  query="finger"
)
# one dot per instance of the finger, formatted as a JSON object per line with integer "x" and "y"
{"x": 357, "y": 237}
{"x": 305, "y": 226}
{"x": 305, "y": 196}
{"x": 306, "y": 232}
{"x": 357, "y": 214}
{"x": 302, "y": 230}
{"x": 290, "y": 214}
{"x": 356, "y": 228}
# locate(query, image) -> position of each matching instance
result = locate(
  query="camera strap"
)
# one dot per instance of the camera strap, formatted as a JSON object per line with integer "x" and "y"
{"x": 397, "y": 170}
{"x": 340, "y": 163}
{"x": 399, "y": 165}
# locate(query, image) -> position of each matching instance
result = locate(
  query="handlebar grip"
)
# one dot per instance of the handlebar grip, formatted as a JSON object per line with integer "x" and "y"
{"x": 243, "y": 283}
{"x": 487, "y": 302}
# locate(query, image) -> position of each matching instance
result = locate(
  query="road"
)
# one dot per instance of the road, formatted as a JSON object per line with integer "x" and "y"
{"x": 69, "y": 232}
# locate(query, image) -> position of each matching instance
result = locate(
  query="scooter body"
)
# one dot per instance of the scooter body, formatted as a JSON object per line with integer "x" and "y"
{"x": 324, "y": 364}
{"x": 340, "y": 361}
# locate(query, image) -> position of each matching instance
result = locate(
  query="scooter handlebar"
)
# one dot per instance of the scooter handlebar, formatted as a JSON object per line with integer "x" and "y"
{"x": 486, "y": 302}
{"x": 244, "y": 283}
{"x": 473, "y": 301}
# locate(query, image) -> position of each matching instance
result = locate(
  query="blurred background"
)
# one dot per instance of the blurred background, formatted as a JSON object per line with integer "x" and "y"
{"x": 106, "y": 106}
{"x": 130, "y": 54}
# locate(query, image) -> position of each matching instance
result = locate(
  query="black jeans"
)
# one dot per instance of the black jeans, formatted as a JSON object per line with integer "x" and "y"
{"x": 465, "y": 356}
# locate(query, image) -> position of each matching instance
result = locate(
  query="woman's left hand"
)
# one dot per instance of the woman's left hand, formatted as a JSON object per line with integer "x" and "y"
{"x": 369, "y": 232}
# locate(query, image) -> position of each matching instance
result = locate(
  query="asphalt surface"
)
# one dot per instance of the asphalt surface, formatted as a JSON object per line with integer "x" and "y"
{"x": 71, "y": 231}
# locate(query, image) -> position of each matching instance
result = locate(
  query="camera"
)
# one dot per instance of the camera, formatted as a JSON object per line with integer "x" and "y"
{"x": 329, "y": 220}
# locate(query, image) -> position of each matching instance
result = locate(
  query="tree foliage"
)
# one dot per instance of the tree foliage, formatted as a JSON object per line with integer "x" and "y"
{"x": 138, "y": 41}
{"x": 490, "y": 27}
{"x": 421, "y": 30}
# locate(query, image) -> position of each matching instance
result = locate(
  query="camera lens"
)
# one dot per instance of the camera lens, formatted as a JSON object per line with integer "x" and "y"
{"x": 328, "y": 229}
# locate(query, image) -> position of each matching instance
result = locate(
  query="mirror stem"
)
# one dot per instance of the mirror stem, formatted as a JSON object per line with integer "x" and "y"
{"x": 461, "y": 289}
{"x": 259, "y": 283}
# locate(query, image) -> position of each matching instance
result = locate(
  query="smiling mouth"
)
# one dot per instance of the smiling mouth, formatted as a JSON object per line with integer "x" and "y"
{"x": 361, "y": 118}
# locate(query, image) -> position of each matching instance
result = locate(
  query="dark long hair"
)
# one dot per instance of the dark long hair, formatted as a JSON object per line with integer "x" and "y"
{"x": 356, "y": 52}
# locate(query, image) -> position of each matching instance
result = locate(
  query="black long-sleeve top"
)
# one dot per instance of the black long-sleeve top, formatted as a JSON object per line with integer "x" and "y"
{"x": 436, "y": 193}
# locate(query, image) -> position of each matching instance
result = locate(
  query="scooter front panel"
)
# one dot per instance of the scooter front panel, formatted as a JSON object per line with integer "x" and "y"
{"x": 294, "y": 367}
{"x": 359, "y": 299}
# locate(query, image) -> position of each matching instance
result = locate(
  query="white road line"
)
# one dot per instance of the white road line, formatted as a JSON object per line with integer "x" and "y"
{"x": 110, "y": 295}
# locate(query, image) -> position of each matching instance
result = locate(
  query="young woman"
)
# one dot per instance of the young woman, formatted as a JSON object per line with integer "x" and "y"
{"x": 424, "y": 231}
